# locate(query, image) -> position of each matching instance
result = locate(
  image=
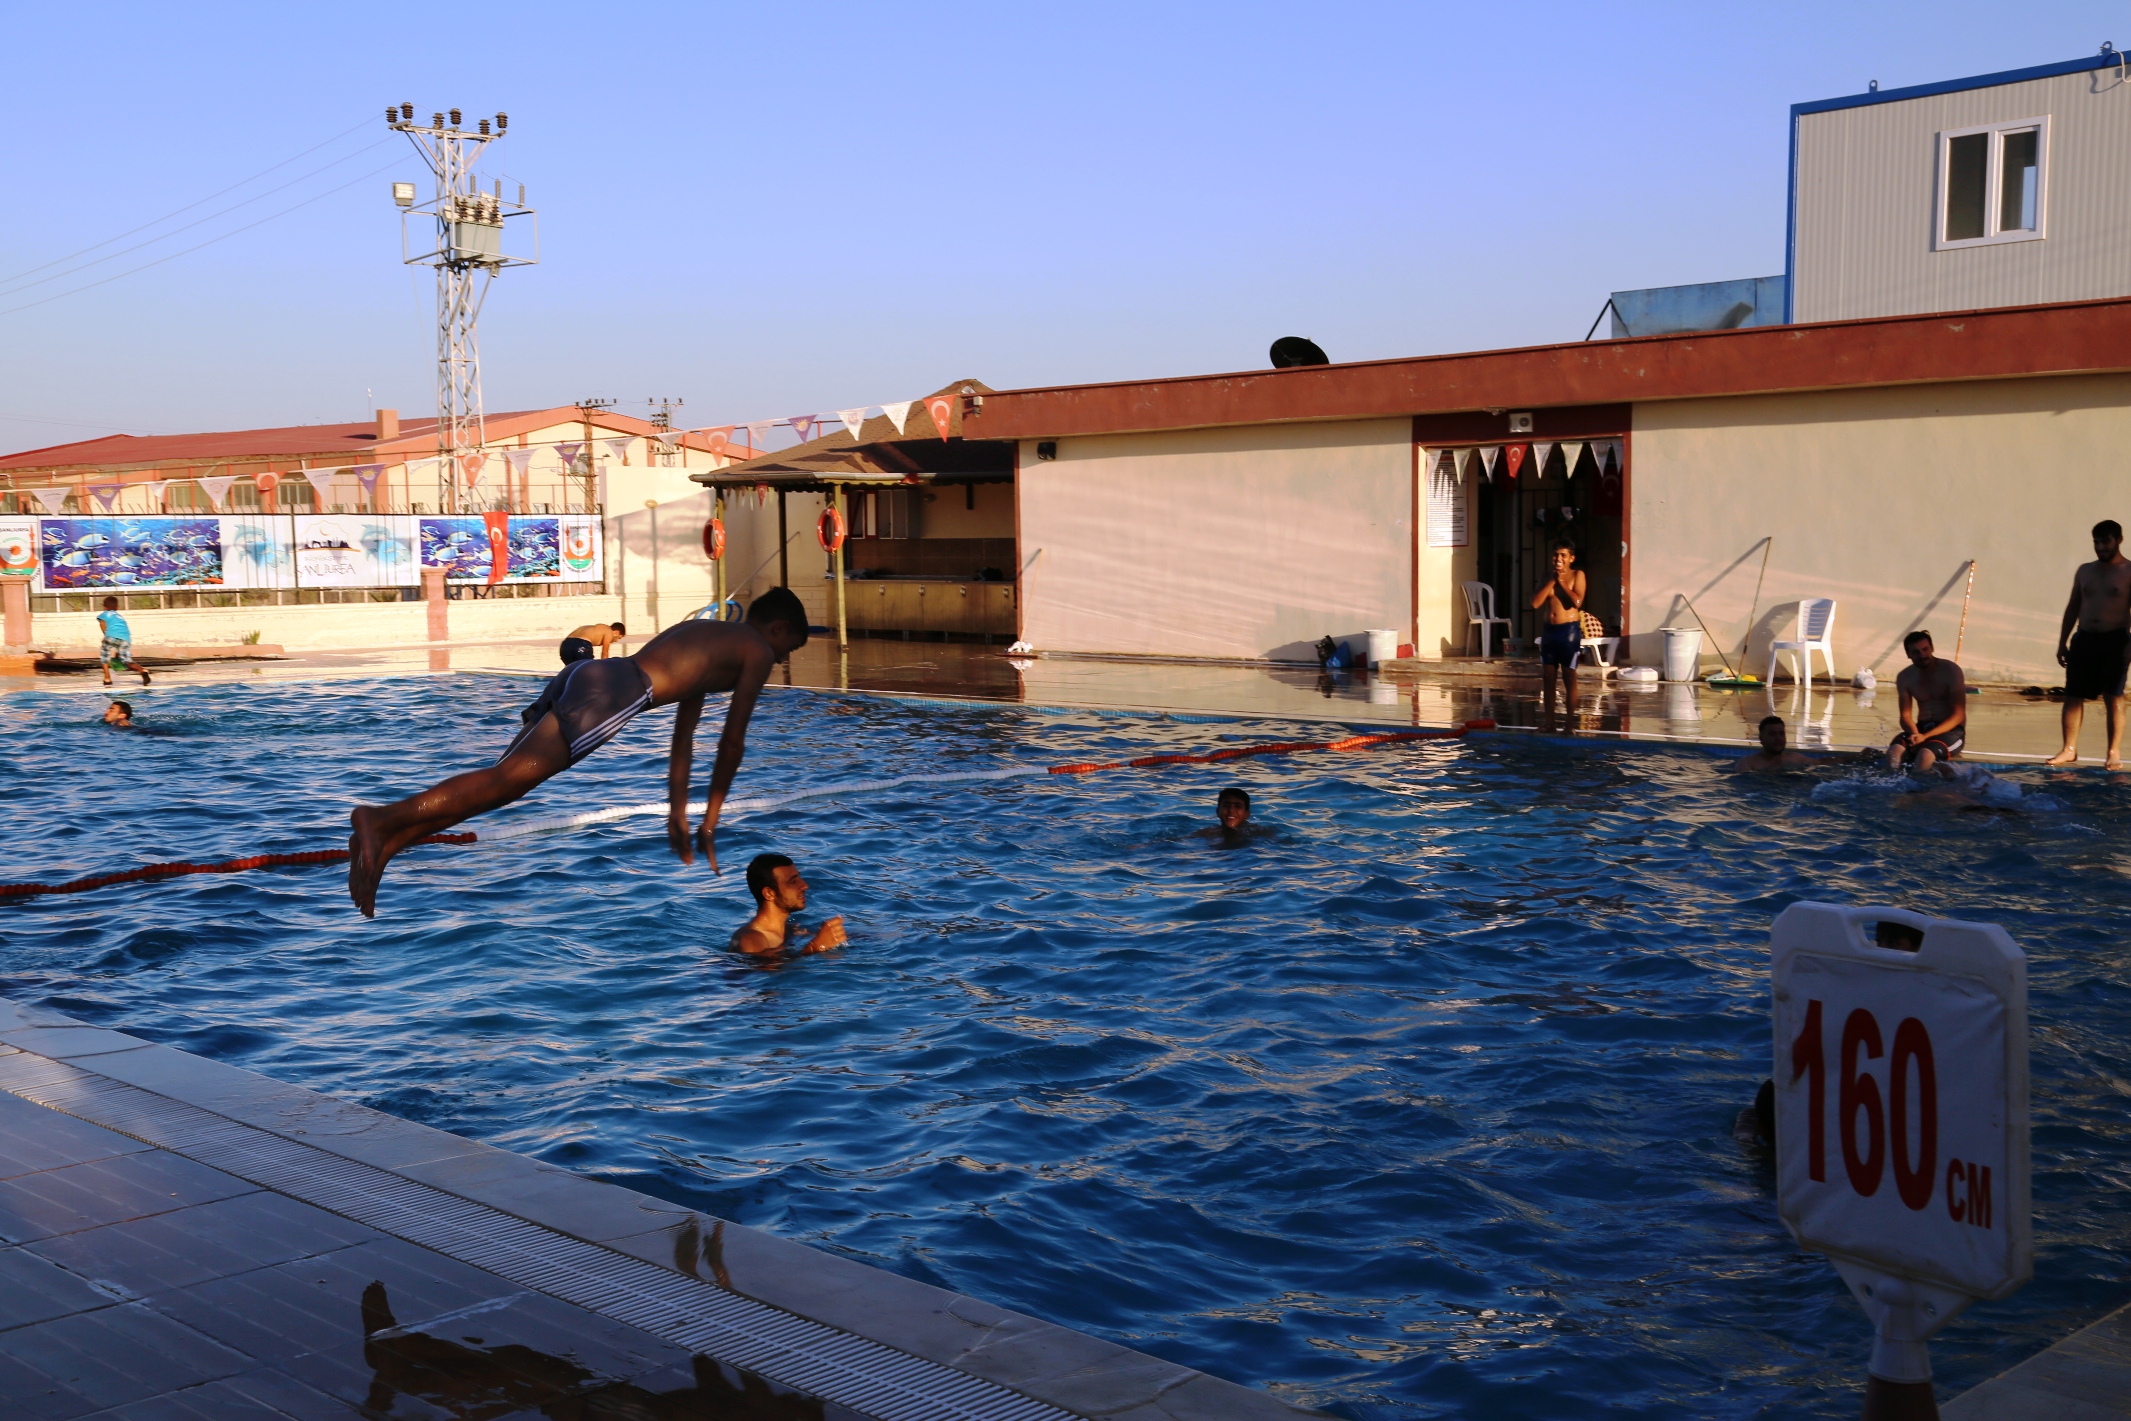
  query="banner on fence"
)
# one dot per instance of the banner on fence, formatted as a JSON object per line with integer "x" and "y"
{"x": 284, "y": 551}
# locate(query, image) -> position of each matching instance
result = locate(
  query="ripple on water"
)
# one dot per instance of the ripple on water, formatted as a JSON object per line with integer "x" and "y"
{"x": 1420, "y": 1105}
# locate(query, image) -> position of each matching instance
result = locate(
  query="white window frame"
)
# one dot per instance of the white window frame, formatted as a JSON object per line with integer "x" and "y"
{"x": 1993, "y": 193}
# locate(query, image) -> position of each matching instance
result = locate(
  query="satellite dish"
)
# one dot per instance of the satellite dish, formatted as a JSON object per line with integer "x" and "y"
{"x": 1291, "y": 351}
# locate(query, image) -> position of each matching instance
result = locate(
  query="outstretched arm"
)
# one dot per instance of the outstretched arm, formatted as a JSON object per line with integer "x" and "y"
{"x": 678, "y": 762}
{"x": 732, "y": 743}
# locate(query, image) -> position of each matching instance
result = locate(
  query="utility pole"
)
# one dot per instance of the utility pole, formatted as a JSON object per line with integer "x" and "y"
{"x": 467, "y": 254}
{"x": 586, "y": 409}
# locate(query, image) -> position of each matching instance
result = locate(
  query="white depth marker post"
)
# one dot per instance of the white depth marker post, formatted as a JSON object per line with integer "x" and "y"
{"x": 1902, "y": 1123}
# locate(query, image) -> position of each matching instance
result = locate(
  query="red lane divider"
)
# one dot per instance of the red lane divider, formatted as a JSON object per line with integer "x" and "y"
{"x": 179, "y": 870}
{"x": 317, "y": 856}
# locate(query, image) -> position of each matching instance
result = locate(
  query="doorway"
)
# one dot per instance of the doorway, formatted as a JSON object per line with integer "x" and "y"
{"x": 1521, "y": 518}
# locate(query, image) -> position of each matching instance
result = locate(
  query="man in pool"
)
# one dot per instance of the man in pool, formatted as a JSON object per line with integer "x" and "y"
{"x": 119, "y": 715}
{"x": 1559, "y": 601}
{"x": 1934, "y": 698}
{"x": 2094, "y": 656}
{"x": 1774, "y": 757}
{"x": 584, "y": 707}
{"x": 580, "y": 644}
{"x": 773, "y": 882}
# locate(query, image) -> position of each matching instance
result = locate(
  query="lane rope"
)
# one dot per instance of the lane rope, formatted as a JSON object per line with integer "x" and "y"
{"x": 741, "y": 807}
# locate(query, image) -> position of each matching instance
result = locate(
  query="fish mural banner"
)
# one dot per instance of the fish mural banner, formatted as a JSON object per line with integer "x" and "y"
{"x": 356, "y": 550}
{"x": 497, "y": 547}
{"x": 75, "y": 553}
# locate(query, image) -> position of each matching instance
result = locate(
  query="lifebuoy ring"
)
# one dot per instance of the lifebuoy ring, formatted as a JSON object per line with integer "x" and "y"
{"x": 714, "y": 539}
{"x": 830, "y": 530}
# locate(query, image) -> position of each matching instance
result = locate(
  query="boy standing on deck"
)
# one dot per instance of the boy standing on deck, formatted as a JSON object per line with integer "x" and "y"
{"x": 2094, "y": 656}
{"x": 584, "y": 707}
{"x": 1559, "y": 602}
{"x": 117, "y": 647}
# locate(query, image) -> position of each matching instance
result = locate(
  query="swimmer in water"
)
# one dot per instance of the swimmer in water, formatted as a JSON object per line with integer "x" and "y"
{"x": 1773, "y": 757}
{"x": 584, "y": 707}
{"x": 119, "y": 715}
{"x": 1232, "y": 807}
{"x": 774, "y": 883}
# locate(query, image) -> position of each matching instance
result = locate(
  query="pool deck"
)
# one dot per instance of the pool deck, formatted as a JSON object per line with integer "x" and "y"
{"x": 182, "y": 1238}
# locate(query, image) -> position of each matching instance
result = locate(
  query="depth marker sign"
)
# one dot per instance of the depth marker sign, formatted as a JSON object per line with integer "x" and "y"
{"x": 1902, "y": 1116}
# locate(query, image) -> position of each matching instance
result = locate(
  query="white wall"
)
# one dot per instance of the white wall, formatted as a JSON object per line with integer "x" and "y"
{"x": 1866, "y": 214}
{"x": 1244, "y": 542}
{"x": 1879, "y": 498}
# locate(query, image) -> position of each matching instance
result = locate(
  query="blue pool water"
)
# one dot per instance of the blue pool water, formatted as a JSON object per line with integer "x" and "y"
{"x": 1419, "y": 1107}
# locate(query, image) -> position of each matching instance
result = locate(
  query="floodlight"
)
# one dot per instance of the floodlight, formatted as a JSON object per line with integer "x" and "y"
{"x": 403, "y": 194}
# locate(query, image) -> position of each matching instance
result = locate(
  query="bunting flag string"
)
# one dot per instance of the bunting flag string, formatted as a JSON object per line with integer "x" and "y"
{"x": 267, "y": 480}
{"x": 717, "y": 439}
{"x": 366, "y": 475}
{"x": 217, "y": 489}
{"x": 1571, "y": 456}
{"x": 569, "y": 453}
{"x": 757, "y": 431}
{"x": 803, "y": 426}
{"x": 1489, "y": 456}
{"x": 618, "y": 449}
{"x": 942, "y": 409}
{"x": 1542, "y": 450}
{"x": 898, "y": 413}
{"x": 1515, "y": 458}
{"x": 519, "y": 461}
{"x": 155, "y": 489}
{"x": 321, "y": 482}
{"x": 53, "y": 499}
{"x": 854, "y": 420}
{"x": 105, "y": 494}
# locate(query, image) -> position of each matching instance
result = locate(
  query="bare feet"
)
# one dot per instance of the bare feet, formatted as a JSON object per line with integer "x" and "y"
{"x": 2067, "y": 756}
{"x": 144, "y": 678}
{"x": 366, "y": 864}
{"x": 2113, "y": 763}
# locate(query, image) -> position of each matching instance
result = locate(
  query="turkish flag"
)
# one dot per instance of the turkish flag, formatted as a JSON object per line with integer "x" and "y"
{"x": 499, "y": 546}
{"x": 718, "y": 439}
{"x": 942, "y": 409}
{"x": 1515, "y": 454}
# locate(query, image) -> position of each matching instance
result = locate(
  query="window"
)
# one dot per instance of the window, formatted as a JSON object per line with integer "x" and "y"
{"x": 1992, "y": 183}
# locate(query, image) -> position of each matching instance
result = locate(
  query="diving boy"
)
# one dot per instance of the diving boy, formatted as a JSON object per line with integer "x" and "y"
{"x": 586, "y": 705}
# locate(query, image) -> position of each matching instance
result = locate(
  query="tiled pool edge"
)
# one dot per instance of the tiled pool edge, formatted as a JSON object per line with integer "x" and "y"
{"x": 2085, "y": 1377}
{"x": 1050, "y": 1364}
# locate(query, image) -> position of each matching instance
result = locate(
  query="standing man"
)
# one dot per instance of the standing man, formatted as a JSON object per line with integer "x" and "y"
{"x": 117, "y": 647}
{"x": 2093, "y": 657}
{"x": 1559, "y": 601}
{"x": 1934, "y": 698}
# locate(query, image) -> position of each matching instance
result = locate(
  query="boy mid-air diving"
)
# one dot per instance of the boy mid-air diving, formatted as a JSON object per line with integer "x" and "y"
{"x": 583, "y": 708}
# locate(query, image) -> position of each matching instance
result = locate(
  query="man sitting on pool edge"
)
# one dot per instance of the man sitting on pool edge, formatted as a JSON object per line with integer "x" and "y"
{"x": 773, "y": 882}
{"x": 1933, "y": 694}
{"x": 1774, "y": 757}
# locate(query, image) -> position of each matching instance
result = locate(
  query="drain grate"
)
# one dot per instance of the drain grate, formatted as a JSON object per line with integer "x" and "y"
{"x": 838, "y": 1366}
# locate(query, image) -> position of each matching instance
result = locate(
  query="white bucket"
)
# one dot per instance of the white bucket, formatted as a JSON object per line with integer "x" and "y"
{"x": 1383, "y": 646}
{"x": 1683, "y": 652}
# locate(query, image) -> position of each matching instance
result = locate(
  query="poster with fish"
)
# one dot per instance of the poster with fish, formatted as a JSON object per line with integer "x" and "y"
{"x": 356, "y": 550}
{"x": 531, "y": 548}
{"x": 76, "y": 553}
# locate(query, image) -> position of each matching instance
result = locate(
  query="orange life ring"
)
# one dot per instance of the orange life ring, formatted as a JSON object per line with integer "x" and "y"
{"x": 714, "y": 539}
{"x": 830, "y": 530}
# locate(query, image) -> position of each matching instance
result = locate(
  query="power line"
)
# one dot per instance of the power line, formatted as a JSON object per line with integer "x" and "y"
{"x": 137, "y": 246}
{"x": 208, "y": 243}
{"x": 187, "y": 207}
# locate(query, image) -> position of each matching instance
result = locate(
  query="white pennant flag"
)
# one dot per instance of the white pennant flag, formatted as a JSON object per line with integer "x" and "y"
{"x": 898, "y": 412}
{"x": 619, "y": 448}
{"x": 1488, "y": 456}
{"x": 155, "y": 489}
{"x": 757, "y": 431}
{"x": 519, "y": 459}
{"x": 1571, "y": 456}
{"x": 53, "y": 499}
{"x": 321, "y": 482}
{"x": 1613, "y": 452}
{"x": 1465, "y": 457}
{"x": 1540, "y": 454}
{"x": 217, "y": 489}
{"x": 854, "y": 420}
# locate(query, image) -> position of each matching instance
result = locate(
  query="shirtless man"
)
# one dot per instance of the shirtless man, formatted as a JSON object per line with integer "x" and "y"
{"x": 1560, "y": 600}
{"x": 1934, "y": 699}
{"x": 583, "y": 708}
{"x": 2093, "y": 657}
{"x": 580, "y": 644}
{"x": 1773, "y": 757}
{"x": 778, "y": 890}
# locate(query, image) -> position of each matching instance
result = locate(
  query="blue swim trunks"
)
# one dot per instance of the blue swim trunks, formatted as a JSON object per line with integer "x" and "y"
{"x": 1561, "y": 645}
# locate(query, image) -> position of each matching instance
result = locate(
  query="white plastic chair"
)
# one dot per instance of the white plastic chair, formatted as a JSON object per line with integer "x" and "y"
{"x": 1816, "y": 632}
{"x": 1480, "y": 612}
{"x": 1602, "y": 648}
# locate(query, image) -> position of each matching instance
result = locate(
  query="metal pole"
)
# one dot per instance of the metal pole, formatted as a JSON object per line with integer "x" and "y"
{"x": 836, "y": 562}
{"x": 717, "y": 566}
{"x": 651, "y": 594}
{"x": 1964, "y": 612}
{"x": 784, "y": 544}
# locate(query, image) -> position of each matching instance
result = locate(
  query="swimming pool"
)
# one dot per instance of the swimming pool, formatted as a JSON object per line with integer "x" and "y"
{"x": 1421, "y": 1106}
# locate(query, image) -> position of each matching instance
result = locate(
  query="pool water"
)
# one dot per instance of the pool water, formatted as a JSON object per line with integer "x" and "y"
{"x": 1419, "y": 1105}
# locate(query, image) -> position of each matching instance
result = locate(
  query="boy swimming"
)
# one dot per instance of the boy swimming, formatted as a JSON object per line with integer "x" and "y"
{"x": 586, "y": 705}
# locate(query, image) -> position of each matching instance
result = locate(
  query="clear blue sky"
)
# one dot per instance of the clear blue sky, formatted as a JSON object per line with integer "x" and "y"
{"x": 770, "y": 210}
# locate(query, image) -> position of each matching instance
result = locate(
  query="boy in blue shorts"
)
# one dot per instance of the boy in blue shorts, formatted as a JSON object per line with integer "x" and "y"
{"x": 1559, "y": 602}
{"x": 117, "y": 648}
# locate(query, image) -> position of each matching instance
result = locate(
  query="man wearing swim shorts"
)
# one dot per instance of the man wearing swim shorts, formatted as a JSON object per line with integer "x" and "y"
{"x": 1559, "y": 601}
{"x": 2094, "y": 656}
{"x": 580, "y": 644}
{"x": 117, "y": 647}
{"x": 773, "y": 882}
{"x": 585, "y": 706}
{"x": 1934, "y": 697}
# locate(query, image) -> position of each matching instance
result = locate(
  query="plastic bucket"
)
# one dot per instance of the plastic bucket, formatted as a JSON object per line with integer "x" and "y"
{"x": 1383, "y": 646}
{"x": 1683, "y": 653}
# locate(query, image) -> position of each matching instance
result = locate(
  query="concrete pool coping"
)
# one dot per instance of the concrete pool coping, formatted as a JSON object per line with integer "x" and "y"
{"x": 1022, "y": 1359}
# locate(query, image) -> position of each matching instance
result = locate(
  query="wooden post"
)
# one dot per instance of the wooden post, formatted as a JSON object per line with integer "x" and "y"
{"x": 717, "y": 566}
{"x": 15, "y": 600}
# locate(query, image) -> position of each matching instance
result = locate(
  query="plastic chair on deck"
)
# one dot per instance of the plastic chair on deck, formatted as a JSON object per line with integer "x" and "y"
{"x": 1480, "y": 612}
{"x": 1816, "y": 632}
{"x": 1602, "y": 648}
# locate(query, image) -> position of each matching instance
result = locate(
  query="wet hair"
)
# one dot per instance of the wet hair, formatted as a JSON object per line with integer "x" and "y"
{"x": 1909, "y": 642}
{"x": 1233, "y": 792}
{"x": 111, "y": 604}
{"x": 619, "y": 627}
{"x": 2109, "y": 528}
{"x": 779, "y": 604}
{"x": 1564, "y": 545}
{"x": 762, "y": 874}
{"x": 126, "y": 706}
{"x": 1769, "y": 720}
